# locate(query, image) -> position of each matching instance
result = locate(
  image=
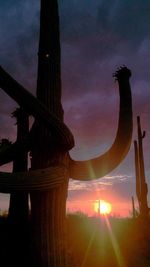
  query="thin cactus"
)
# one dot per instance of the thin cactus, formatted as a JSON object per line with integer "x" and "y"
{"x": 49, "y": 142}
{"x": 141, "y": 185}
{"x": 137, "y": 174}
{"x": 133, "y": 208}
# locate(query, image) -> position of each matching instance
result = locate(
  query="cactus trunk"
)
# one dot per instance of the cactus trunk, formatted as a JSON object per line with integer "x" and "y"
{"x": 49, "y": 208}
{"x": 141, "y": 185}
{"x": 18, "y": 208}
{"x": 133, "y": 208}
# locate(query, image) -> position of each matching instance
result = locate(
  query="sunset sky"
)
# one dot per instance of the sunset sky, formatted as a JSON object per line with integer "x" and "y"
{"x": 96, "y": 37}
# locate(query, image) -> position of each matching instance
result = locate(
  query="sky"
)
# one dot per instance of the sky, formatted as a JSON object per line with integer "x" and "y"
{"x": 96, "y": 37}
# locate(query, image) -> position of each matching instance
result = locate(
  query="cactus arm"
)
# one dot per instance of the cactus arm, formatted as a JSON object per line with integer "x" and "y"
{"x": 8, "y": 153}
{"x": 38, "y": 180}
{"x": 102, "y": 165}
{"x": 37, "y": 109}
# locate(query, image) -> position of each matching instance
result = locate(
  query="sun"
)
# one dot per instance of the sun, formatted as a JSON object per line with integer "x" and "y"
{"x": 105, "y": 207}
{"x": 102, "y": 207}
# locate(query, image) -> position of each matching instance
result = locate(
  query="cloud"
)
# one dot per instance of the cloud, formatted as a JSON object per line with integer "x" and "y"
{"x": 110, "y": 185}
{"x": 109, "y": 25}
{"x": 19, "y": 37}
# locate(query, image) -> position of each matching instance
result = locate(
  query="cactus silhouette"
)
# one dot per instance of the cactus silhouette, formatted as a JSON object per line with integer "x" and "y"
{"x": 141, "y": 185}
{"x": 133, "y": 208}
{"x": 49, "y": 142}
{"x": 18, "y": 208}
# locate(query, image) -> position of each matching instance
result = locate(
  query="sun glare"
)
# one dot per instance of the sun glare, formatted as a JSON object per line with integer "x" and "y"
{"x": 102, "y": 207}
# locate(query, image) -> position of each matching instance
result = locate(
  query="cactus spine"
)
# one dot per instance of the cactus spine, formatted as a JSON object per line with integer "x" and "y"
{"x": 141, "y": 185}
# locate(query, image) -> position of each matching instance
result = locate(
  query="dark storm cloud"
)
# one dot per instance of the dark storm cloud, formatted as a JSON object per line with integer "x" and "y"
{"x": 96, "y": 37}
{"x": 100, "y": 35}
{"x": 19, "y": 35}
{"x": 19, "y": 22}
{"x": 129, "y": 20}
{"x": 120, "y": 20}
{"x": 92, "y": 29}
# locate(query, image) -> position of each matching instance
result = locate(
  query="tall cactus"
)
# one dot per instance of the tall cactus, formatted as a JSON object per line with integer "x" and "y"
{"x": 49, "y": 142}
{"x": 141, "y": 185}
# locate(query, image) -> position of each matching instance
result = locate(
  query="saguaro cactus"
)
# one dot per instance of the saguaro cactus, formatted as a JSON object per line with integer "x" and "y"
{"x": 141, "y": 185}
{"x": 49, "y": 142}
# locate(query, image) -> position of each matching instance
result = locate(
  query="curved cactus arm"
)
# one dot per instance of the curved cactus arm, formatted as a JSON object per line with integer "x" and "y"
{"x": 38, "y": 180}
{"x": 102, "y": 165}
{"x": 34, "y": 107}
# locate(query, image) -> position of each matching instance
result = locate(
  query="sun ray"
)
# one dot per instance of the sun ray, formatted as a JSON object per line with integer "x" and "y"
{"x": 88, "y": 249}
{"x": 115, "y": 244}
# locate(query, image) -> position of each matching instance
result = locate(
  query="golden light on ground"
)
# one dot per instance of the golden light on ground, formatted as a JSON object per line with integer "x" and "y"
{"x": 102, "y": 207}
{"x": 115, "y": 244}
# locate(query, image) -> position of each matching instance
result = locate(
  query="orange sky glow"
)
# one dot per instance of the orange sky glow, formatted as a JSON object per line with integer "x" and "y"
{"x": 119, "y": 208}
